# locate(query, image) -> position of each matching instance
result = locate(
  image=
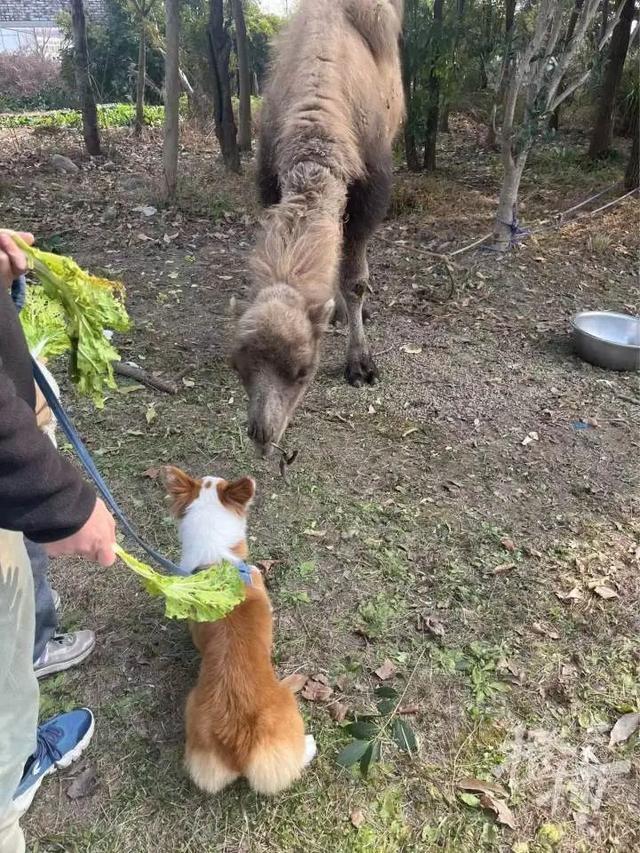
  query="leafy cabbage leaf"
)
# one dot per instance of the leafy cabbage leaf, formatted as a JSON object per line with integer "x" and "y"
{"x": 205, "y": 596}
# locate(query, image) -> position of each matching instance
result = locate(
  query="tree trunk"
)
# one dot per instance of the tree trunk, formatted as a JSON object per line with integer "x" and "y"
{"x": 605, "y": 18}
{"x": 171, "y": 97}
{"x": 506, "y": 216}
{"x": 444, "y": 117}
{"x": 410, "y": 147}
{"x": 509, "y": 19}
{"x": 141, "y": 82}
{"x": 632, "y": 172}
{"x": 244, "y": 77}
{"x": 554, "y": 118}
{"x": 602, "y": 134}
{"x": 219, "y": 45}
{"x": 83, "y": 80}
{"x": 433, "y": 92}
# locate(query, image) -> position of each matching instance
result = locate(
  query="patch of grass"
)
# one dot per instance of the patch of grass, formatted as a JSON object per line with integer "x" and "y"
{"x": 56, "y": 695}
{"x": 568, "y": 166}
{"x": 376, "y": 616}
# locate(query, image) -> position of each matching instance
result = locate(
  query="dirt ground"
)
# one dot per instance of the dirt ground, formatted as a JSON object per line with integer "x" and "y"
{"x": 462, "y": 519}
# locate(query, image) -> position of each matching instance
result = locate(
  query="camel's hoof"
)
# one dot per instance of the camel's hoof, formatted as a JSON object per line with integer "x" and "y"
{"x": 361, "y": 370}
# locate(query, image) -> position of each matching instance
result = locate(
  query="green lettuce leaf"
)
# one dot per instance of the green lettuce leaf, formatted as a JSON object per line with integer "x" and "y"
{"x": 206, "y": 596}
{"x": 90, "y": 305}
{"x": 44, "y": 325}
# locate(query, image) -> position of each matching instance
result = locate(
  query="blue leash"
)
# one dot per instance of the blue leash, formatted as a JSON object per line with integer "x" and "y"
{"x": 90, "y": 467}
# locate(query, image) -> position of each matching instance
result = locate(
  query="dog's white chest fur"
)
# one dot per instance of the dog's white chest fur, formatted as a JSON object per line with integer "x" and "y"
{"x": 209, "y": 530}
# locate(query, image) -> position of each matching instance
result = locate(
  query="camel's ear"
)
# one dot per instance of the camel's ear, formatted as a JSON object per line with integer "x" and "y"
{"x": 321, "y": 314}
{"x": 182, "y": 490}
{"x": 237, "y": 495}
{"x": 237, "y": 307}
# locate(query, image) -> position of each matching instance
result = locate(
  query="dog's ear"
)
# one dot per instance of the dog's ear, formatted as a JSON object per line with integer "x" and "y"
{"x": 182, "y": 490}
{"x": 237, "y": 494}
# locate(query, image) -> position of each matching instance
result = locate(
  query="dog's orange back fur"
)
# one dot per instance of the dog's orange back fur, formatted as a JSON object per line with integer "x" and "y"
{"x": 240, "y": 720}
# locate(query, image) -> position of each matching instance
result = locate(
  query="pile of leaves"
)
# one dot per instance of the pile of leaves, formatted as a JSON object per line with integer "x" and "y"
{"x": 205, "y": 596}
{"x": 71, "y": 312}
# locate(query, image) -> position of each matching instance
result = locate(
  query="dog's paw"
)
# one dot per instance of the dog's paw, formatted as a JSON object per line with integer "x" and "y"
{"x": 310, "y": 749}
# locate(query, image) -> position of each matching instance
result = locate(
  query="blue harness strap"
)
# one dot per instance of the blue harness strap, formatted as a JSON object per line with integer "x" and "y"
{"x": 90, "y": 467}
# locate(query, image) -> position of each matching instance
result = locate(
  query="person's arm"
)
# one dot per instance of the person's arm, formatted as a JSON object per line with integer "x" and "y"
{"x": 41, "y": 494}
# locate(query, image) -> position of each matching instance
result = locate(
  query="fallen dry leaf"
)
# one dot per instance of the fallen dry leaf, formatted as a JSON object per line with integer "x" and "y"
{"x": 431, "y": 625}
{"x": 531, "y": 436}
{"x": 508, "y": 544}
{"x": 338, "y": 711}
{"x": 574, "y": 594}
{"x": 295, "y": 682}
{"x": 266, "y": 566}
{"x": 470, "y": 783}
{"x": 502, "y": 568}
{"x": 316, "y": 691}
{"x": 605, "y": 592}
{"x": 321, "y": 677}
{"x": 545, "y": 630}
{"x": 501, "y": 810}
{"x": 411, "y": 349}
{"x": 386, "y": 671}
{"x": 84, "y": 784}
{"x": 317, "y": 534}
{"x": 624, "y": 728}
{"x": 490, "y": 798}
{"x": 357, "y": 818}
{"x": 152, "y": 473}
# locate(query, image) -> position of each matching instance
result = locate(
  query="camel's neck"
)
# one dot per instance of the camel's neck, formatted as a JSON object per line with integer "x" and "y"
{"x": 302, "y": 237}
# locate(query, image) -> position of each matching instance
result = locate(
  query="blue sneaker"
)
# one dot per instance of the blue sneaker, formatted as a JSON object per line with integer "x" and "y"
{"x": 61, "y": 741}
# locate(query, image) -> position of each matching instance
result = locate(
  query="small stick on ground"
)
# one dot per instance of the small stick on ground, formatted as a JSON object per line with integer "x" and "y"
{"x": 148, "y": 379}
{"x": 285, "y": 459}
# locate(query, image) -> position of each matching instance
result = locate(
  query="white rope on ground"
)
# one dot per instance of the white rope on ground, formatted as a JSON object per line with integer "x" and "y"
{"x": 611, "y": 203}
{"x": 582, "y": 203}
{"x": 556, "y": 217}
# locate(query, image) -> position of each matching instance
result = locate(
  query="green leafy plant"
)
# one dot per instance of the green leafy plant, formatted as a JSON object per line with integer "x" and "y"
{"x": 89, "y": 306}
{"x": 371, "y": 732}
{"x": 109, "y": 115}
{"x": 206, "y": 596}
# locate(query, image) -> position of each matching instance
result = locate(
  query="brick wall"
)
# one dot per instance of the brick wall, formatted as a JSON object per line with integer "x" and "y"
{"x": 45, "y": 10}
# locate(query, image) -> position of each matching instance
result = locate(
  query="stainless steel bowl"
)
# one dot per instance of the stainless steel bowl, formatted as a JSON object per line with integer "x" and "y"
{"x": 608, "y": 339}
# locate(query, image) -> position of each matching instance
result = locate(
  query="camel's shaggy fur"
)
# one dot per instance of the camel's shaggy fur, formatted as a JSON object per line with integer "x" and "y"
{"x": 331, "y": 110}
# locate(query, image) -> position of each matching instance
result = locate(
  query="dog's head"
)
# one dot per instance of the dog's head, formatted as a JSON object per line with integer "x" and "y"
{"x": 211, "y": 513}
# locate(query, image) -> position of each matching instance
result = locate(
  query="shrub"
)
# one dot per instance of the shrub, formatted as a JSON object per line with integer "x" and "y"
{"x": 30, "y": 81}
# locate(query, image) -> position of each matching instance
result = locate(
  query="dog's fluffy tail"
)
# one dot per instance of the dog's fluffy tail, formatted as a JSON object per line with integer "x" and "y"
{"x": 274, "y": 766}
{"x": 207, "y": 771}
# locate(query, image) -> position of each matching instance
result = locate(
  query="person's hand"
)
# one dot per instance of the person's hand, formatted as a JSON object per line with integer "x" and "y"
{"x": 95, "y": 540}
{"x": 13, "y": 263}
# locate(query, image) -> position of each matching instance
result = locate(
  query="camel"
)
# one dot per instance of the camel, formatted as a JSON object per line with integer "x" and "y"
{"x": 332, "y": 107}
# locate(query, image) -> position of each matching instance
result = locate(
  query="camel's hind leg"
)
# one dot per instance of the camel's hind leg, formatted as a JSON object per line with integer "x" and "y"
{"x": 366, "y": 206}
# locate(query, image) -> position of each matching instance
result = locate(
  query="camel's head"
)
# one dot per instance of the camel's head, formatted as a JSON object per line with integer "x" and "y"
{"x": 276, "y": 356}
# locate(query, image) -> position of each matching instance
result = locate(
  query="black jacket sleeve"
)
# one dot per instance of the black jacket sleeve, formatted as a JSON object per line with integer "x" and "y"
{"x": 41, "y": 494}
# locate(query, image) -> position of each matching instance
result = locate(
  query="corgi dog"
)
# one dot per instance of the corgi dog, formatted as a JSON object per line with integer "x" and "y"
{"x": 240, "y": 720}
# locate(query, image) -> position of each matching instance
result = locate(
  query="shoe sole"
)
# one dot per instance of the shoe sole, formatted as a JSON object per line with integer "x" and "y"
{"x": 23, "y": 803}
{"x": 44, "y": 671}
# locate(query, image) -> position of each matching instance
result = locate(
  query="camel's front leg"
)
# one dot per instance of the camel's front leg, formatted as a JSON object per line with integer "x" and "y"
{"x": 354, "y": 279}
